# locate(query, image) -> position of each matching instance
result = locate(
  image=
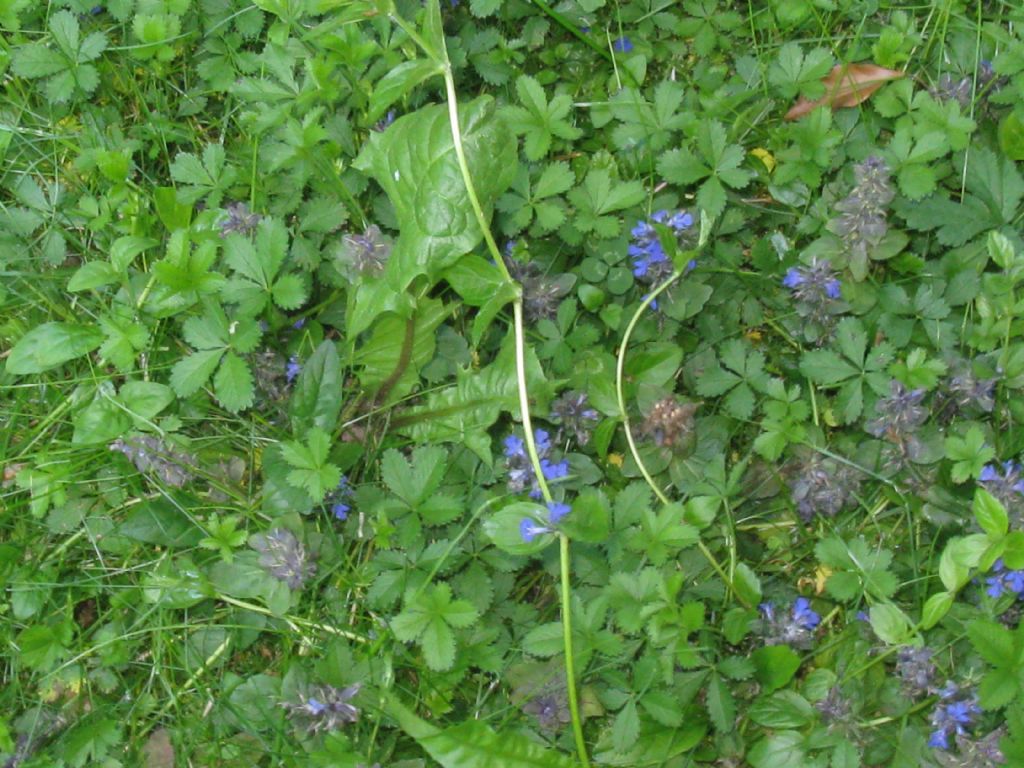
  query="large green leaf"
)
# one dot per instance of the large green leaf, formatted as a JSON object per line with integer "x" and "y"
{"x": 399, "y": 348}
{"x": 161, "y": 521}
{"x": 474, "y": 745}
{"x": 415, "y": 163}
{"x": 50, "y": 344}
{"x": 464, "y": 412}
{"x": 316, "y": 401}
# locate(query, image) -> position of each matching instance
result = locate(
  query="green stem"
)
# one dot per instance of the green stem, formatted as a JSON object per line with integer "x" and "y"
{"x": 624, "y": 415}
{"x": 520, "y": 349}
{"x": 460, "y": 154}
{"x": 524, "y": 403}
{"x": 563, "y": 540}
{"x": 572, "y": 29}
{"x": 570, "y": 663}
{"x": 524, "y": 399}
{"x": 619, "y": 394}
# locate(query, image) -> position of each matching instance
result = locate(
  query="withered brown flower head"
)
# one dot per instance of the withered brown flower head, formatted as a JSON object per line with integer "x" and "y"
{"x": 669, "y": 422}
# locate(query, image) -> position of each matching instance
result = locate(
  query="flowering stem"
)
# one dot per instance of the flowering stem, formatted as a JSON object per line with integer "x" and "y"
{"x": 624, "y": 415}
{"x": 620, "y": 397}
{"x": 563, "y": 540}
{"x": 524, "y": 397}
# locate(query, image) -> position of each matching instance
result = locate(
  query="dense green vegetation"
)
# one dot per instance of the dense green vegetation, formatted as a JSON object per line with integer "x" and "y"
{"x": 608, "y": 382}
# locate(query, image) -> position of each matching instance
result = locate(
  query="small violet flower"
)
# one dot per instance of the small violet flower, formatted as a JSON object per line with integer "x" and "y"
{"x": 573, "y": 415}
{"x": 622, "y": 45}
{"x": 650, "y": 262}
{"x": 556, "y": 511}
{"x": 953, "y": 714}
{"x": 529, "y": 529}
{"x": 339, "y": 498}
{"x": 1005, "y": 483}
{"x": 803, "y": 615}
{"x": 520, "y": 469}
{"x": 323, "y": 708}
{"x": 293, "y": 369}
{"x": 1004, "y": 582}
{"x": 795, "y": 629}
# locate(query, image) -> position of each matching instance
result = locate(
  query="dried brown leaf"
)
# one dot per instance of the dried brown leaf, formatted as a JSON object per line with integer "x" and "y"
{"x": 847, "y": 85}
{"x": 158, "y": 752}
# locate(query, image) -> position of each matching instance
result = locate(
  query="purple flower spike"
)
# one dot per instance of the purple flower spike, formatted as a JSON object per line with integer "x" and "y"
{"x": 954, "y": 713}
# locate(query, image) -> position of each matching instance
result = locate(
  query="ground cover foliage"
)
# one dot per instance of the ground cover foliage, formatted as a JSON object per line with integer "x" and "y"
{"x": 510, "y": 384}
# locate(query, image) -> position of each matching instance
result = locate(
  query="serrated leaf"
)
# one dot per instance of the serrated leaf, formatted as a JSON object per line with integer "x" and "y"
{"x": 192, "y": 372}
{"x": 37, "y": 60}
{"x": 289, "y": 291}
{"x": 720, "y": 704}
{"x": 555, "y": 179}
{"x": 682, "y": 166}
{"x": 233, "y": 383}
{"x": 626, "y": 727}
{"x": 825, "y": 367}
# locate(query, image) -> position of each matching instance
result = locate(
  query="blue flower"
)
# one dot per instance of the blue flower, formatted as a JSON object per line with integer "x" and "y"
{"x": 556, "y": 511}
{"x": 793, "y": 278}
{"x": 650, "y": 262}
{"x": 338, "y": 498}
{"x": 1004, "y": 581}
{"x": 514, "y": 447}
{"x": 298, "y": 324}
{"x": 795, "y": 629}
{"x": 952, "y": 716}
{"x": 803, "y": 615}
{"x": 1003, "y": 484}
{"x": 814, "y": 289}
{"x": 554, "y": 471}
{"x": 293, "y": 369}
{"x": 314, "y": 706}
{"x": 530, "y": 529}
{"x": 543, "y": 440}
{"x": 678, "y": 221}
{"x": 622, "y": 45}
{"x": 520, "y": 469}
